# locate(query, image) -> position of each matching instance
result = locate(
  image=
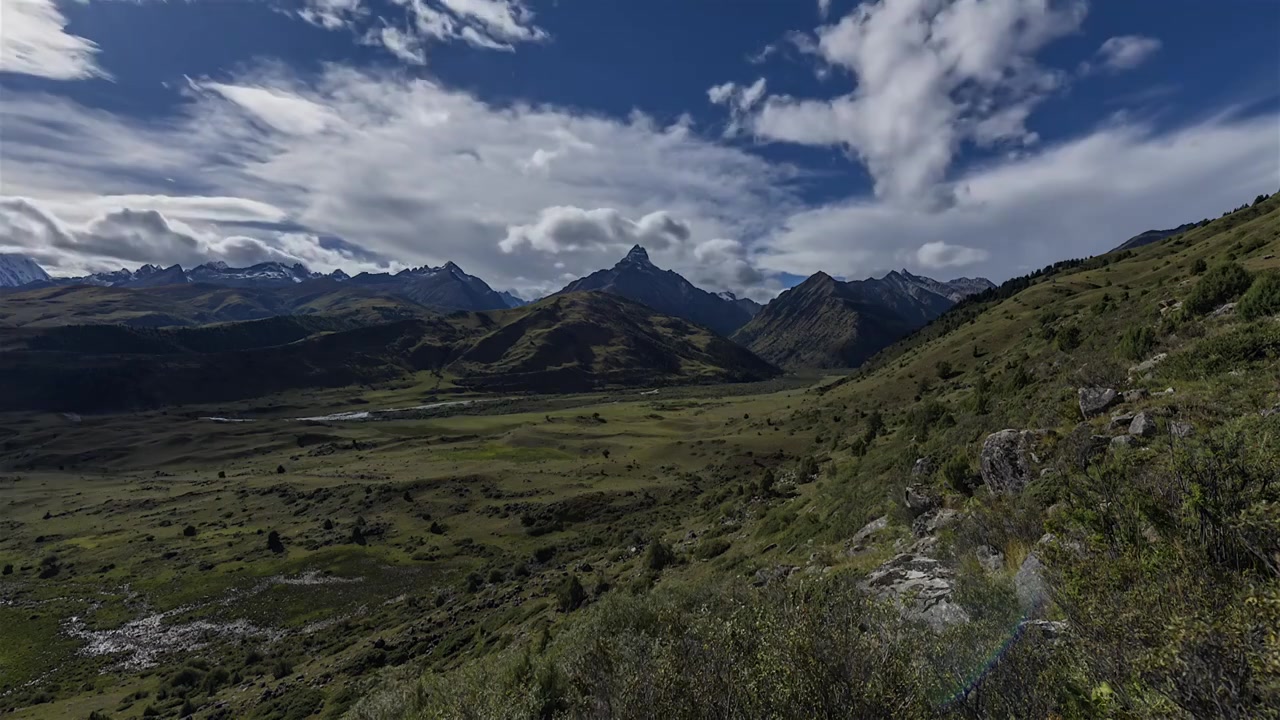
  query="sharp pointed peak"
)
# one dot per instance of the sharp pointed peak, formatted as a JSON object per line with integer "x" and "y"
{"x": 637, "y": 255}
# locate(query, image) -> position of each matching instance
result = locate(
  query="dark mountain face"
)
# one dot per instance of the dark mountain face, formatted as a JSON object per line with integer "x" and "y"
{"x": 638, "y": 279}
{"x": 823, "y": 322}
{"x": 513, "y": 300}
{"x": 1152, "y": 236}
{"x": 449, "y": 288}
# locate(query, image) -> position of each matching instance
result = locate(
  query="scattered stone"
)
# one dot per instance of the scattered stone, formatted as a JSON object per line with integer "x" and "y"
{"x": 1166, "y": 391}
{"x": 1096, "y": 400}
{"x": 1270, "y": 411}
{"x": 766, "y": 576}
{"x": 1148, "y": 365}
{"x": 1182, "y": 429}
{"x": 1143, "y": 425}
{"x": 1120, "y": 420}
{"x": 921, "y": 587}
{"x": 1006, "y": 460}
{"x": 923, "y": 467}
{"x": 1132, "y": 396}
{"x": 989, "y": 558}
{"x": 1052, "y": 631}
{"x": 1223, "y": 310}
{"x": 1122, "y": 441}
{"x": 921, "y": 499}
{"x": 1029, "y": 584}
{"x": 931, "y": 522}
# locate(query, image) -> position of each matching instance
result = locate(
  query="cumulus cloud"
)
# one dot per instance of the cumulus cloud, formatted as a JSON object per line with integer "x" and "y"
{"x": 1126, "y": 52}
{"x": 929, "y": 76}
{"x": 1077, "y": 198}
{"x": 740, "y": 99}
{"x": 35, "y": 42}
{"x": 571, "y": 229}
{"x": 330, "y": 155}
{"x": 133, "y": 237}
{"x": 482, "y": 24}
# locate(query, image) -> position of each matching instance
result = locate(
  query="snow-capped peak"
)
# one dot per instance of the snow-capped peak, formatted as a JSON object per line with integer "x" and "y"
{"x": 18, "y": 270}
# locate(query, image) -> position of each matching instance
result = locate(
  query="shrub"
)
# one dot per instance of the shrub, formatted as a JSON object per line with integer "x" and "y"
{"x": 1068, "y": 338}
{"x": 1223, "y": 283}
{"x": 658, "y": 556}
{"x": 926, "y": 416}
{"x": 1136, "y": 342}
{"x": 570, "y": 595}
{"x": 281, "y": 668}
{"x": 944, "y": 369}
{"x": 189, "y": 531}
{"x": 274, "y": 543}
{"x": 711, "y": 547}
{"x": 958, "y": 474}
{"x": 766, "y": 482}
{"x": 1262, "y": 298}
{"x": 1199, "y": 266}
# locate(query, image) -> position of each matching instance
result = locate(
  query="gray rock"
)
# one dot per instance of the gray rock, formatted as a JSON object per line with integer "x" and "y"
{"x": 1182, "y": 429}
{"x": 1006, "y": 460}
{"x": 931, "y": 522}
{"x": 1148, "y": 365}
{"x": 1052, "y": 631}
{"x": 923, "y": 467}
{"x": 857, "y": 543}
{"x": 1122, "y": 441}
{"x": 1143, "y": 425}
{"x": 922, "y": 588}
{"x": 989, "y": 558}
{"x": 1221, "y": 310}
{"x": 920, "y": 499}
{"x": 1029, "y": 584}
{"x": 1132, "y": 396}
{"x": 1121, "y": 420}
{"x": 1095, "y": 400}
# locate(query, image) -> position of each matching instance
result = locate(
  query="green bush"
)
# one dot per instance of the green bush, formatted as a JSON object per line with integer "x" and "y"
{"x": 570, "y": 595}
{"x": 710, "y": 548}
{"x": 1223, "y": 283}
{"x": 1068, "y": 338}
{"x": 1262, "y": 298}
{"x": 658, "y": 556}
{"x": 1136, "y": 342}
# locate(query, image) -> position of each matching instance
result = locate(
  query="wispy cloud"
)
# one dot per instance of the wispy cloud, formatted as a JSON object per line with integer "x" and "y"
{"x": 34, "y": 41}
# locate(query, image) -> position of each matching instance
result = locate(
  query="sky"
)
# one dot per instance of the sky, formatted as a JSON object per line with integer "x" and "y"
{"x": 745, "y": 143}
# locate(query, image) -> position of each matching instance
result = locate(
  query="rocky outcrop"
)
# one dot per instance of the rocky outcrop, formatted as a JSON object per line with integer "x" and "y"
{"x": 921, "y": 587}
{"x": 1007, "y": 459}
{"x": 1096, "y": 400}
{"x": 1147, "y": 366}
{"x": 920, "y": 499}
{"x": 932, "y": 522}
{"x": 1122, "y": 441}
{"x": 858, "y": 543}
{"x": 767, "y": 576}
{"x": 923, "y": 467}
{"x": 1182, "y": 429}
{"x": 989, "y": 558}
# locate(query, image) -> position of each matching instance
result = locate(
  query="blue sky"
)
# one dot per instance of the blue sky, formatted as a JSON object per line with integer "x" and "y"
{"x": 746, "y": 143}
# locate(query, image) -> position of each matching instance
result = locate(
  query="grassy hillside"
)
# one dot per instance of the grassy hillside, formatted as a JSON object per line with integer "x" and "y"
{"x": 1154, "y": 551}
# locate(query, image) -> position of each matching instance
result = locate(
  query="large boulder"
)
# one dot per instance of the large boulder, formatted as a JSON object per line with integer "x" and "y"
{"x": 1096, "y": 400}
{"x": 1006, "y": 461}
{"x": 922, "y": 588}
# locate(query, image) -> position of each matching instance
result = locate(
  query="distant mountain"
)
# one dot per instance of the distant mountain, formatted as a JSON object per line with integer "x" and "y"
{"x": 824, "y": 322}
{"x": 638, "y": 279}
{"x": 566, "y": 343}
{"x": 751, "y": 306}
{"x": 444, "y": 288}
{"x": 18, "y": 270}
{"x": 1152, "y": 236}
{"x": 513, "y": 300}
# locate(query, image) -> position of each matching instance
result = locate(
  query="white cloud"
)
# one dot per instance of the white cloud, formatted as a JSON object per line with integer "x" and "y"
{"x": 939, "y": 255}
{"x": 929, "y": 76}
{"x": 131, "y": 237}
{"x": 34, "y": 41}
{"x": 1075, "y": 199}
{"x": 824, "y": 8}
{"x": 482, "y": 24}
{"x": 401, "y": 167}
{"x": 1126, "y": 52}
{"x": 740, "y": 99}
{"x": 571, "y": 229}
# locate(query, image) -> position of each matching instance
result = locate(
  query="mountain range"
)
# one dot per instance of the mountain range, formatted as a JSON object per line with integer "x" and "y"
{"x": 823, "y": 322}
